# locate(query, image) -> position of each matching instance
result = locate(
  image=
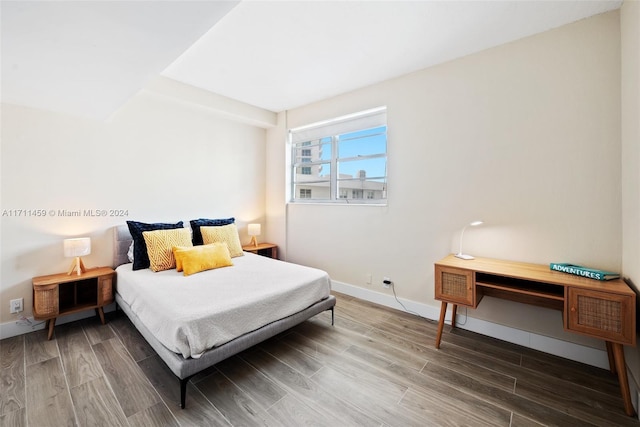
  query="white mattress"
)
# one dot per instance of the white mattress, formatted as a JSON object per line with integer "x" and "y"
{"x": 191, "y": 314}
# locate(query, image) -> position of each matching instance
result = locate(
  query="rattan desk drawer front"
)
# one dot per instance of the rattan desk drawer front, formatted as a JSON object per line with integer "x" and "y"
{"x": 601, "y": 314}
{"x": 455, "y": 286}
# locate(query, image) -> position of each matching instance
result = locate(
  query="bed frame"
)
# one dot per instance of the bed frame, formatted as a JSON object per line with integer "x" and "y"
{"x": 183, "y": 368}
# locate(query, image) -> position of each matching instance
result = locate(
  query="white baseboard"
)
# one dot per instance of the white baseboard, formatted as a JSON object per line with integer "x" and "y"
{"x": 580, "y": 353}
{"x": 18, "y": 327}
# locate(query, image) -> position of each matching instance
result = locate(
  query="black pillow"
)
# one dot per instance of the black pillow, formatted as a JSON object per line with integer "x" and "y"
{"x": 140, "y": 255}
{"x": 203, "y": 222}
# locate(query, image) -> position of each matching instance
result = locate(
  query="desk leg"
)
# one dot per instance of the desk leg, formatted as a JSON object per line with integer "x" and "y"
{"x": 612, "y": 361}
{"x": 454, "y": 310}
{"x": 621, "y": 368}
{"x": 443, "y": 311}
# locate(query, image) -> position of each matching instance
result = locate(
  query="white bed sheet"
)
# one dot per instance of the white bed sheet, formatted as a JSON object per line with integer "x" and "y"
{"x": 191, "y": 314}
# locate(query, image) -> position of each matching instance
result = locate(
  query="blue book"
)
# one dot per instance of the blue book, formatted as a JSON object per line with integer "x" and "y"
{"x": 578, "y": 270}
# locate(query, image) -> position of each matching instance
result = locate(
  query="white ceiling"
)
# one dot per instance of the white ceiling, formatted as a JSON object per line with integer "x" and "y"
{"x": 88, "y": 58}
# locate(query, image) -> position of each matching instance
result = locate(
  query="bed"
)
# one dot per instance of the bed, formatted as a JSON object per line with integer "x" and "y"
{"x": 197, "y": 321}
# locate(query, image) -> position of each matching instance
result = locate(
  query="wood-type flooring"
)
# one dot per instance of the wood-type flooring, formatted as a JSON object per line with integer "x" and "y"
{"x": 376, "y": 367}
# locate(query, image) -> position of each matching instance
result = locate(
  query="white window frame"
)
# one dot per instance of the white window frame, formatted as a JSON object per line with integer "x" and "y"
{"x": 329, "y": 131}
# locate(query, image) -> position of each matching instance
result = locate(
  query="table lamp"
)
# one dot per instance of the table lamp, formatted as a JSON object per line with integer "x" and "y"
{"x": 254, "y": 230}
{"x": 460, "y": 254}
{"x": 75, "y": 248}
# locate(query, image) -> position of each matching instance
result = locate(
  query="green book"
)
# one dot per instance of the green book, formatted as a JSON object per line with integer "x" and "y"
{"x": 578, "y": 270}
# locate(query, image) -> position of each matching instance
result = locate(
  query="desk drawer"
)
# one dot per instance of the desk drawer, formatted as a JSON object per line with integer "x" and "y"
{"x": 601, "y": 314}
{"x": 455, "y": 286}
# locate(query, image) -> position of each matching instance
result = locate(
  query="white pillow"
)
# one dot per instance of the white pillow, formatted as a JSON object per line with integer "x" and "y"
{"x": 130, "y": 253}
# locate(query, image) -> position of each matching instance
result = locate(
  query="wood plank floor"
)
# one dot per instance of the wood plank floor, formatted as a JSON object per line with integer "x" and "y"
{"x": 375, "y": 367}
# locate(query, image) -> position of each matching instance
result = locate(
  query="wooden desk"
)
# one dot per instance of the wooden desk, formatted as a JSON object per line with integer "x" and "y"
{"x": 604, "y": 310}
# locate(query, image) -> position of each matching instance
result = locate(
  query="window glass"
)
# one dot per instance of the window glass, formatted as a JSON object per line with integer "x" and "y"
{"x": 340, "y": 160}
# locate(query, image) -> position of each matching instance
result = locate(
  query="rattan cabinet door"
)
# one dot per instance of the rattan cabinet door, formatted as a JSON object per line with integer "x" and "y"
{"x": 601, "y": 314}
{"x": 45, "y": 302}
{"x": 455, "y": 285}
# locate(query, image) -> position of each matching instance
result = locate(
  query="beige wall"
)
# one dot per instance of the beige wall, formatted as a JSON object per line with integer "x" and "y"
{"x": 525, "y": 136}
{"x": 159, "y": 158}
{"x": 630, "y": 85}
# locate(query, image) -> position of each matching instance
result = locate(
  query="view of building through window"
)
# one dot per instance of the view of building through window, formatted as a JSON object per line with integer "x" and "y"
{"x": 341, "y": 160}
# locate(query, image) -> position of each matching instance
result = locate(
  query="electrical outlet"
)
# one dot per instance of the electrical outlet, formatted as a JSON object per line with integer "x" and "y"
{"x": 386, "y": 282}
{"x": 15, "y": 305}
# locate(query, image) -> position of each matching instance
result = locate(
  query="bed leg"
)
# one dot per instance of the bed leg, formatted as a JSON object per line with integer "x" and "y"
{"x": 183, "y": 391}
{"x": 332, "y": 316}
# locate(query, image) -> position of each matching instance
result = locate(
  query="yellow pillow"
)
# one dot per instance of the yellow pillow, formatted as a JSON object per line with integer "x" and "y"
{"x": 204, "y": 257}
{"x": 227, "y": 234}
{"x": 160, "y": 245}
{"x": 177, "y": 254}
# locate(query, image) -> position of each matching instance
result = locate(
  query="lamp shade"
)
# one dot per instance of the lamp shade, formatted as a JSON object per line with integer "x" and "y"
{"x": 77, "y": 247}
{"x": 254, "y": 229}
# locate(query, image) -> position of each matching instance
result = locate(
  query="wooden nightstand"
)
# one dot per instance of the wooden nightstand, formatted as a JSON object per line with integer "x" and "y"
{"x": 265, "y": 249}
{"x": 58, "y": 294}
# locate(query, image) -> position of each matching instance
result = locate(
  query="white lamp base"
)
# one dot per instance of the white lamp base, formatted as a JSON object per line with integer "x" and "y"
{"x": 463, "y": 256}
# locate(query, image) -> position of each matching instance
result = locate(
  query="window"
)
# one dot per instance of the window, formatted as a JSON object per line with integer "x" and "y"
{"x": 305, "y": 193}
{"x": 342, "y": 160}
